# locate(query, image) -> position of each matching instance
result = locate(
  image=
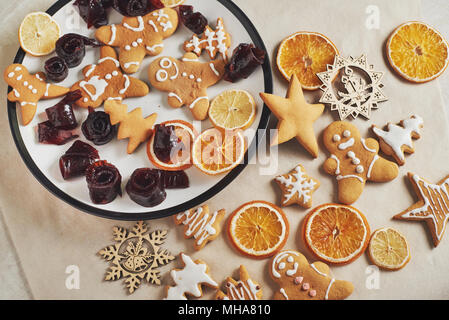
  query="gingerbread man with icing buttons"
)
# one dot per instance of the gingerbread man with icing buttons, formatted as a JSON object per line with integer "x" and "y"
{"x": 299, "y": 280}
{"x": 105, "y": 81}
{"x": 28, "y": 89}
{"x": 186, "y": 81}
{"x": 354, "y": 161}
{"x": 139, "y": 36}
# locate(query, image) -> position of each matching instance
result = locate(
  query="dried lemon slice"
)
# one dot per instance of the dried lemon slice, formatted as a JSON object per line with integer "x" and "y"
{"x": 38, "y": 34}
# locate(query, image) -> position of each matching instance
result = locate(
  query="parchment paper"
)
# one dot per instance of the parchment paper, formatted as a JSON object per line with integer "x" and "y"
{"x": 49, "y": 235}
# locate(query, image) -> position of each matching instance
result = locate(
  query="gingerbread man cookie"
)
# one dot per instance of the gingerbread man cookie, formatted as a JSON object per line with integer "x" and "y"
{"x": 28, "y": 89}
{"x": 299, "y": 280}
{"x": 244, "y": 289}
{"x": 139, "y": 36}
{"x": 214, "y": 42}
{"x": 186, "y": 81}
{"x": 201, "y": 224}
{"x": 354, "y": 161}
{"x": 105, "y": 81}
{"x": 189, "y": 279}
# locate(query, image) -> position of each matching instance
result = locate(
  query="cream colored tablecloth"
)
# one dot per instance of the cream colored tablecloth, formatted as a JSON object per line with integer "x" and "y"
{"x": 48, "y": 235}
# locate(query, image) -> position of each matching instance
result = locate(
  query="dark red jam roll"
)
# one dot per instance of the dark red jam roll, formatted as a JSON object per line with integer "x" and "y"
{"x": 49, "y": 134}
{"x": 104, "y": 182}
{"x": 56, "y": 69}
{"x": 98, "y": 128}
{"x": 93, "y": 12}
{"x": 165, "y": 141}
{"x": 194, "y": 21}
{"x": 134, "y": 8}
{"x": 145, "y": 187}
{"x": 77, "y": 159}
{"x": 174, "y": 180}
{"x": 71, "y": 47}
{"x": 244, "y": 61}
{"x": 61, "y": 115}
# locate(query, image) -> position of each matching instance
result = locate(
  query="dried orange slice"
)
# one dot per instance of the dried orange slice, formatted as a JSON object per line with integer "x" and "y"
{"x": 215, "y": 152}
{"x": 388, "y": 249}
{"x": 38, "y": 34}
{"x": 337, "y": 234}
{"x": 181, "y": 158}
{"x": 305, "y": 54}
{"x": 172, "y": 3}
{"x": 418, "y": 52}
{"x": 233, "y": 109}
{"x": 258, "y": 229}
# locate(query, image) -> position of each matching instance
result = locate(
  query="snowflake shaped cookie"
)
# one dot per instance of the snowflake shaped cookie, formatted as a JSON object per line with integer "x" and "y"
{"x": 136, "y": 255}
{"x": 297, "y": 187}
{"x": 360, "y": 90}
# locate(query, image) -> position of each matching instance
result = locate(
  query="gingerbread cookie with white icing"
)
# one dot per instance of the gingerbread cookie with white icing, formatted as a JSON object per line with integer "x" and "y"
{"x": 105, "y": 81}
{"x": 137, "y": 37}
{"x": 398, "y": 139}
{"x": 299, "y": 280}
{"x": 244, "y": 289}
{"x": 213, "y": 41}
{"x": 186, "y": 81}
{"x": 354, "y": 161}
{"x": 201, "y": 224}
{"x": 28, "y": 89}
{"x": 189, "y": 279}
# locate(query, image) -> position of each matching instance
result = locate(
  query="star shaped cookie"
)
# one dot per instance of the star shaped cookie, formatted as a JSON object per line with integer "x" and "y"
{"x": 297, "y": 187}
{"x": 432, "y": 207}
{"x": 296, "y": 117}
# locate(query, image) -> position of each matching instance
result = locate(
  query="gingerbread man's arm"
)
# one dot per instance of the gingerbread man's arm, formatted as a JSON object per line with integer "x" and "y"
{"x": 110, "y": 35}
{"x": 340, "y": 290}
{"x": 331, "y": 166}
{"x": 213, "y": 71}
{"x": 372, "y": 144}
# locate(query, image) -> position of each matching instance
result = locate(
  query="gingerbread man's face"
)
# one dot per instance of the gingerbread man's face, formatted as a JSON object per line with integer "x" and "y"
{"x": 340, "y": 137}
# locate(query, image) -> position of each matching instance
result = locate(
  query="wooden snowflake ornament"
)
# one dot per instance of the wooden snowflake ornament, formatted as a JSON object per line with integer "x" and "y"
{"x": 136, "y": 255}
{"x": 360, "y": 89}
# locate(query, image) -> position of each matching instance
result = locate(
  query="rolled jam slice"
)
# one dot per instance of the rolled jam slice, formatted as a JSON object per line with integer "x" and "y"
{"x": 104, "y": 182}
{"x": 145, "y": 187}
{"x": 56, "y": 69}
{"x": 71, "y": 47}
{"x": 77, "y": 159}
{"x": 245, "y": 59}
{"x": 98, "y": 128}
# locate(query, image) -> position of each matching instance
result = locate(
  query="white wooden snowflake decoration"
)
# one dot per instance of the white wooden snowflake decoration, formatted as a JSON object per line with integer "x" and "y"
{"x": 359, "y": 96}
{"x": 136, "y": 255}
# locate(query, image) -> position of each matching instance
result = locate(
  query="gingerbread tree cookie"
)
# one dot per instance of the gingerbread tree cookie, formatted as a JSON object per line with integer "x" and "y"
{"x": 244, "y": 289}
{"x": 397, "y": 140}
{"x": 201, "y": 224}
{"x": 354, "y": 161}
{"x": 186, "y": 81}
{"x": 299, "y": 280}
{"x": 214, "y": 42}
{"x": 105, "y": 81}
{"x": 139, "y": 36}
{"x": 432, "y": 207}
{"x": 132, "y": 125}
{"x": 28, "y": 89}
{"x": 297, "y": 187}
{"x": 189, "y": 279}
{"x": 296, "y": 117}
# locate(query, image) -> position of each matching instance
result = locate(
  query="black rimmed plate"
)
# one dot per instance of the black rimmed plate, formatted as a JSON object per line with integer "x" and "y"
{"x": 42, "y": 160}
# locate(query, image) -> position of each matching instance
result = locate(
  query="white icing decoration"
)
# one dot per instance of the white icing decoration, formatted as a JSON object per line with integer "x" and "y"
{"x": 199, "y": 80}
{"x": 398, "y": 136}
{"x": 46, "y": 90}
{"x": 188, "y": 280}
{"x": 99, "y": 85}
{"x": 26, "y": 103}
{"x": 346, "y": 133}
{"x": 16, "y": 93}
{"x": 108, "y": 76}
{"x": 218, "y": 36}
{"x": 11, "y": 74}
{"x": 139, "y": 40}
{"x": 191, "y": 77}
{"x": 173, "y": 77}
{"x": 127, "y": 47}
{"x": 337, "y": 171}
{"x": 36, "y": 75}
{"x": 134, "y": 44}
{"x": 139, "y": 28}
{"x": 326, "y": 296}
{"x": 203, "y": 225}
{"x": 115, "y": 73}
{"x": 212, "y": 67}
{"x": 282, "y": 290}
{"x": 190, "y": 60}
{"x": 30, "y": 87}
{"x": 163, "y": 61}
{"x": 161, "y": 75}
{"x": 117, "y": 64}
{"x": 20, "y": 77}
{"x": 293, "y": 271}
{"x": 113, "y": 34}
{"x": 336, "y": 138}
{"x": 166, "y": 25}
{"x": 85, "y": 99}
{"x": 174, "y": 95}
{"x": 153, "y": 25}
{"x": 277, "y": 259}
{"x": 129, "y": 64}
{"x": 290, "y": 259}
{"x": 347, "y": 144}
{"x": 297, "y": 183}
{"x": 18, "y": 69}
{"x": 355, "y": 160}
{"x": 153, "y": 48}
{"x": 366, "y": 147}
{"x": 196, "y": 101}
{"x": 25, "y": 83}
{"x": 127, "y": 83}
{"x": 114, "y": 98}
{"x": 34, "y": 91}
{"x": 340, "y": 177}
{"x": 248, "y": 287}
{"x": 376, "y": 157}
{"x": 91, "y": 69}
{"x": 281, "y": 266}
{"x": 184, "y": 74}
{"x": 359, "y": 169}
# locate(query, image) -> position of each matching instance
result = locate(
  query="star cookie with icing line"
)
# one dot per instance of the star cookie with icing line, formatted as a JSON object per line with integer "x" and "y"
{"x": 398, "y": 139}
{"x": 244, "y": 289}
{"x": 137, "y": 37}
{"x": 361, "y": 92}
{"x": 105, "y": 81}
{"x": 432, "y": 207}
{"x": 296, "y": 117}
{"x": 297, "y": 187}
{"x": 28, "y": 89}
{"x": 186, "y": 81}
